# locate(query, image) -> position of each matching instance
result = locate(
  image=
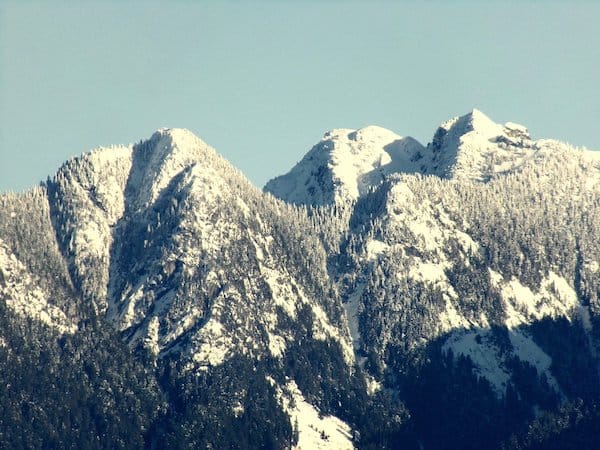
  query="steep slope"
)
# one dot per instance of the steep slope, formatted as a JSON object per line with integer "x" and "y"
{"x": 25, "y": 297}
{"x": 477, "y": 280}
{"x": 34, "y": 278}
{"x": 87, "y": 198}
{"x": 193, "y": 264}
{"x": 429, "y": 242}
{"x": 182, "y": 253}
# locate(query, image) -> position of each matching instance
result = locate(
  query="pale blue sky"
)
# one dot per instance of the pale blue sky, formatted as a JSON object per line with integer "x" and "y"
{"x": 262, "y": 81}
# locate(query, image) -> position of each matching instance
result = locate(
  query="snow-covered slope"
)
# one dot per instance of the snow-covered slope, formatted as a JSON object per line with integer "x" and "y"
{"x": 315, "y": 431}
{"x": 473, "y": 147}
{"x": 449, "y": 261}
{"x": 417, "y": 240}
{"x": 18, "y": 288}
{"x": 87, "y": 199}
{"x": 185, "y": 256}
{"x": 173, "y": 247}
{"x": 346, "y": 164}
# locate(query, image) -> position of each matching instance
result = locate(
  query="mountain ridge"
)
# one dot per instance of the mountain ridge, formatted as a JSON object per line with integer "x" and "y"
{"x": 332, "y": 310}
{"x": 345, "y": 164}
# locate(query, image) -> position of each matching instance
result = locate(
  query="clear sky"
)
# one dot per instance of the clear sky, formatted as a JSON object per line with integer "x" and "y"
{"x": 262, "y": 81}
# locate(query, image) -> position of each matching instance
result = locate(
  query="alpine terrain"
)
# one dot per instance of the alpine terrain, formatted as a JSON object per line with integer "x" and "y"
{"x": 381, "y": 294}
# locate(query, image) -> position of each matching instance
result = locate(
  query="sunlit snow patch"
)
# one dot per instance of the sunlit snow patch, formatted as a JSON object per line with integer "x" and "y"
{"x": 315, "y": 431}
{"x": 25, "y": 297}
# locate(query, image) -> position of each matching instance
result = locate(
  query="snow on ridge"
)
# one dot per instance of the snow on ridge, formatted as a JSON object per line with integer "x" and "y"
{"x": 517, "y": 128}
{"x": 169, "y": 152}
{"x": 490, "y": 361}
{"x": 90, "y": 200}
{"x": 473, "y": 147}
{"x": 473, "y": 122}
{"x": 428, "y": 222}
{"x": 347, "y": 163}
{"x": 99, "y": 177}
{"x": 374, "y": 134}
{"x": 197, "y": 236}
{"x": 290, "y": 296}
{"x": 482, "y": 124}
{"x": 483, "y": 355}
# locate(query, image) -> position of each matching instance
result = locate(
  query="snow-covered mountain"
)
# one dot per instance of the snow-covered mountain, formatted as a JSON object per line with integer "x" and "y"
{"x": 182, "y": 254}
{"x": 411, "y": 234}
{"x": 462, "y": 247}
{"x": 473, "y": 147}
{"x": 352, "y": 304}
{"x": 176, "y": 250}
{"x": 345, "y": 164}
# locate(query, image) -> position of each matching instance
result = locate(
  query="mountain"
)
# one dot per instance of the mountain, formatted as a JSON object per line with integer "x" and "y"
{"x": 345, "y": 164}
{"x": 382, "y": 294}
{"x": 191, "y": 264}
{"x": 473, "y": 147}
{"x": 179, "y": 242}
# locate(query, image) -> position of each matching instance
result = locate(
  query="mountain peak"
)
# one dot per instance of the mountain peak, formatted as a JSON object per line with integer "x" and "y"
{"x": 177, "y": 138}
{"x": 475, "y": 147}
{"x": 369, "y": 133}
{"x": 474, "y": 121}
{"x": 477, "y": 114}
{"x": 481, "y": 123}
{"x": 374, "y": 133}
{"x": 345, "y": 164}
{"x": 176, "y": 133}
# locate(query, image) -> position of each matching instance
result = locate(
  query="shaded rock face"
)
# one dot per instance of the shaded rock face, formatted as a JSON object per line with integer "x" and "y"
{"x": 353, "y": 304}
